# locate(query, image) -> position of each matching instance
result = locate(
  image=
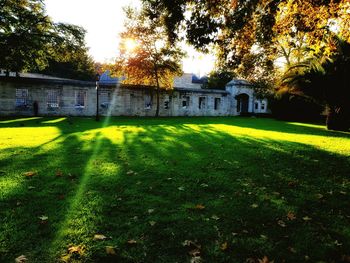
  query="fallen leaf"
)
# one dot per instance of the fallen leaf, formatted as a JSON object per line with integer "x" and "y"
{"x": 132, "y": 242}
{"x": 292, "y": 184}
{"x": 254, "y": 206}
{"x": 75, "y": 250}
{"x": 319, "y": 196}
{"x": 31, "y": 187}
{"x": 191, "y": 244}
{"x": 110, "y": 250}
{"x": 195, "y": 253}
{"x": 29, "y": 174}
{"x": 281, "y": 223}
{"x": 199, "y": 207}
{"x": 224, "y": 246}
{"x": 265, "y": 259}
{"x": 21, "y": 259}
{"x": 306, "y": 218}
{"x": 130, "y": 172}
{"x": 59, "y": 173}
{"x": 43, "y": 218}
{"x": 99, "y": 237}
{"x": 291, "y": 216}
{"x": 61, "y": 197}
{"x": 150, "y": 211}
{"x": 215, "y": 217}
{"x": 181, "y": 188}
{"x": 152, "y": 223}
{"x": 204, "y": 185}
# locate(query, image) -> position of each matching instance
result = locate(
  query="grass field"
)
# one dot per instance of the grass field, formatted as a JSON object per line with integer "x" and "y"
{"x": 173, "y": 190}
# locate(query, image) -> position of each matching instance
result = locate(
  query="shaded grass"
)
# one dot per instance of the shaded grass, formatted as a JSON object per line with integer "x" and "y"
{"x": 248, "y": 173}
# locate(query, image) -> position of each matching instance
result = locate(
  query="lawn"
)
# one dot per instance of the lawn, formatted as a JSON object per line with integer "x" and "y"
{"x": 173, "y": 190}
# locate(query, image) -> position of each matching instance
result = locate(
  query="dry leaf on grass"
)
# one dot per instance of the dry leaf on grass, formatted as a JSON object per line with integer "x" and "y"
{"x": 291, "y": 216}
{"x": 306, "y": 218}
{"x": 152, "y": 223}
{"x": 224, "y": 246}
{"x": 21, "y": 259}
{"x": 132, "y": 242}
{"x": 30, "y": 174}
{"x": 59, "y": 173}
{"x": 265, "y": 259}
{"x": 281, "y": 223}
{"x": 75, "y": 250}
{"x": 110, "y": 250}
{"x": 99, "y": 237}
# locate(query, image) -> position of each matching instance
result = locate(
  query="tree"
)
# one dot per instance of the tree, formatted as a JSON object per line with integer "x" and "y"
{"x": 250, "y": 36}
{"x": 325, "y": 79}
{"x": 146, "y": 57}
{"x": 24, "y": 32}
{"x": 68, "y": 54}
{"x": 30, "y": 41}
{"x": 218, "y": 79}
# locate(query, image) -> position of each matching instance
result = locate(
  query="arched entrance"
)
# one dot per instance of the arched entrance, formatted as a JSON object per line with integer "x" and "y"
{"x": 242, "y": 103}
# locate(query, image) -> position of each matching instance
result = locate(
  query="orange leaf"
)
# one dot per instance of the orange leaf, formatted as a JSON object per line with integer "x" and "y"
{"x": 199, "y": 207}
{"x": 224, "y": 246}
{"x": 29, "y": 174}
{"x": 291, "y": 216}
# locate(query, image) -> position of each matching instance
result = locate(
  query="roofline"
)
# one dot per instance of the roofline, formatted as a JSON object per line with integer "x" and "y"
{"x": 47, "y": 81}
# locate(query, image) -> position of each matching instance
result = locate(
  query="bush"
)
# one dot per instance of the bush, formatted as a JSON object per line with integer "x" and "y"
{"x": 292, "y": 107}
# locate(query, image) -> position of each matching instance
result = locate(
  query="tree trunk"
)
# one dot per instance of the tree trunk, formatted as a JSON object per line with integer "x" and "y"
{"x": 157, "y": 81}
{"x": 338, "y": 119}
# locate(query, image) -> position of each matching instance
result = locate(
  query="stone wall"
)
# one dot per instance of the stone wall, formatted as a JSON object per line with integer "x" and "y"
{"x": 113, "y": 100}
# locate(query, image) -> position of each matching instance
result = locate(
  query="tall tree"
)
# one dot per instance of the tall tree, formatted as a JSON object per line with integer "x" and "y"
{"x": 24, "y": 32}
{"x": 30, "y": 41}
{"x": 325, "y": 78}
{"x": 251, "y": 35}
{"x": 146, "y": 56}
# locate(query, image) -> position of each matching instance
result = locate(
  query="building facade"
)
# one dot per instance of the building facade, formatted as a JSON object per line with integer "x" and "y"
{"x": 22, "y": 96}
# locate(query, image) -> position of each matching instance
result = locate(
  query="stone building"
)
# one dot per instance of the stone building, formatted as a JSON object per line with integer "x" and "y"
{"x": 65, "y": 97}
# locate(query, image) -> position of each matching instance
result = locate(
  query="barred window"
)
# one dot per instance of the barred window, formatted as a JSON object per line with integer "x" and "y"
{"x": 80, "y": 98}
{"x": 201, "y": 103}
{"x": 217, "y": 103}
{"x": 104, "y": 98}
{"x": 22, "y": 97}
{"x": 185, "y": 102}
{"x": 53, "y": 99}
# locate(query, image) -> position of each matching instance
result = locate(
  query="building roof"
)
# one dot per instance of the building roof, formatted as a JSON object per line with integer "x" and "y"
{"x": 208, "y": 91}
{"x": 106, "y": 79}
{"x": 239, "y": 82}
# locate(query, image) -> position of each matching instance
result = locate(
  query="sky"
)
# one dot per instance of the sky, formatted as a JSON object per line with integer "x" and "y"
{"x": 103, "y": 20}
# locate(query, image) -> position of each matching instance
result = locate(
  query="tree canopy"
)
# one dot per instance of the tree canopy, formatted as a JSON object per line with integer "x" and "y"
{"x": 146, "y": 56}
{"x": 31, "y": 41}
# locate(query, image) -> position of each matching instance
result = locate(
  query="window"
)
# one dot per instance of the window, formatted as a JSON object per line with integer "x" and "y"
{"x": 262, "y": 107}
{"x": 256, "y": 105}
{"x": 80, "y": 98}
{"x": 148, "y": 102}
{"x": 22, "y": 98}
{"x": 52, "y": 98}
{"x": 217, "y": 102}
{"x": 185, "y": 102}
{"x": 201, "y": 103}
{"x": 104, "y": 98}
{"x": 166, "y": 104}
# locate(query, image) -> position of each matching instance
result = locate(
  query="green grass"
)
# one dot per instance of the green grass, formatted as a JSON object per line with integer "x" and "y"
{"x": 141, "y": 179}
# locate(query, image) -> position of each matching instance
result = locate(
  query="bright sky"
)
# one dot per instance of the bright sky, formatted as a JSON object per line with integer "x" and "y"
{"x": 103, "y": 21}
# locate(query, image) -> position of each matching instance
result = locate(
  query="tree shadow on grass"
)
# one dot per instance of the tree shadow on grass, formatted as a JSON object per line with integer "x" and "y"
{"x": 163, "y": 176}
{"x": 145, "y": 187}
